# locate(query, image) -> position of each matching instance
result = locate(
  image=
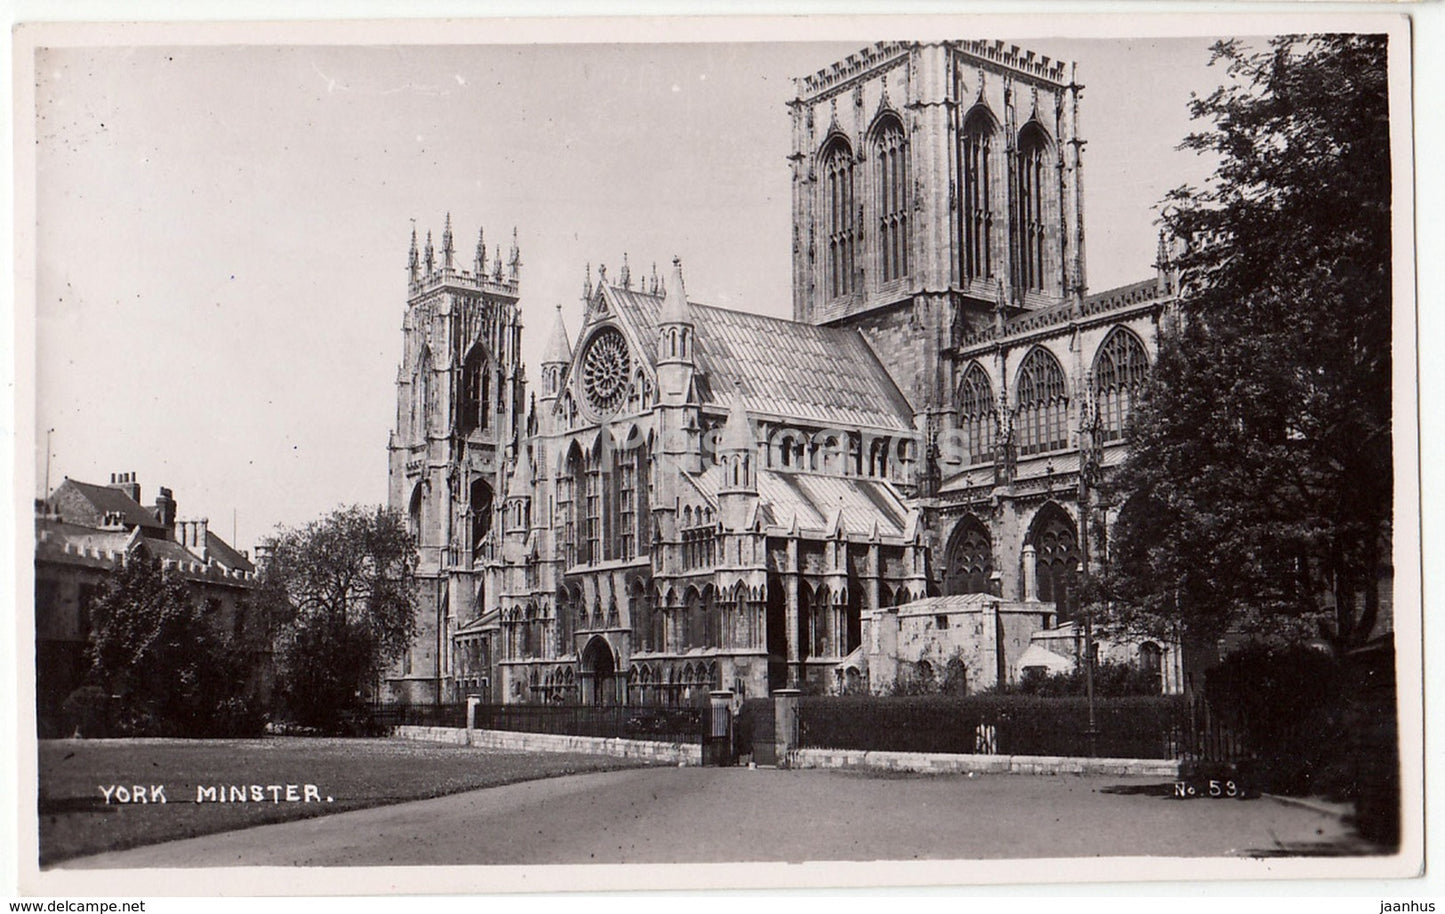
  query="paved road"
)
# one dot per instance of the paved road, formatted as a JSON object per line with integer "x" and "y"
{"x": 681, "y": 815}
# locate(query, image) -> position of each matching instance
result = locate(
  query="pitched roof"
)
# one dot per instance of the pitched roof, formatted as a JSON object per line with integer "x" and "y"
{"x": 957, "y": 603}
{"x": 105, "y": 499}
{"x": 60, "y": 537}
{"x": 222, "y": 554}
{"x": 792, "y": 370}
{"x": 815, "y": 498}
{"x": 486, "y": 620}
{"x": 169, "y": 549}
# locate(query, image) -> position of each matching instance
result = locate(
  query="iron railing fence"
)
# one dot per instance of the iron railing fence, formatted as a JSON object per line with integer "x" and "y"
{"x": 666, "y": 724}
{"x": 646, "y": 722}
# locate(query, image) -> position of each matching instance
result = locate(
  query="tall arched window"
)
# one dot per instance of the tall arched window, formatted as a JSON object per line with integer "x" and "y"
{"x": 820, "y": 612}
{"x": 1120, "y": 372}
{"x": 891, "y": 154}
{"x": 1029, "y": 220}
{"x": 840, "y": 216}
{"x": 592, "y": 509}
{"x": 421, "y": 394}
{"x": 481, "y": 508}
{"x": 569, "y": 498}
{"x": 977, "y": 415}
{"x": 566, "y": 620}
{"x": 1043, "y": 405}
{"x": 975, "y": 159}
{"x": 625, "y": 477}
{"x": 1056, "y": 557}
{"x": 970, "y": 560}
{"x": 694, "y": 620}
{"x": 414, "y": 513}
{"x": 852, "y": 630}
{"x": 642, "y": 477}
{"x": 658, "y": 642}
{"x": 473, "y": 405}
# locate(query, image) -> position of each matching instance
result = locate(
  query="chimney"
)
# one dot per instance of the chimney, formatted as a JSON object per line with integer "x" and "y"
{"x": 165, "y": 509}
{"x": 192, "y": 535}
{"x": 127, "y": 483}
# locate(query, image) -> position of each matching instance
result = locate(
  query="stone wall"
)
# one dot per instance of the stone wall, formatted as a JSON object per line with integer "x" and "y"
{"x": 944, "y": 763}
{"x": 666, "y": 753}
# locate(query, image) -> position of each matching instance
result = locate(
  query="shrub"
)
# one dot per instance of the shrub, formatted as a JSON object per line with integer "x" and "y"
{"x": 1290, "y": 703}
{"x": 1127, "y": 727}
{"x": 86, "y": 712}
{"x": 1111, "y": 679}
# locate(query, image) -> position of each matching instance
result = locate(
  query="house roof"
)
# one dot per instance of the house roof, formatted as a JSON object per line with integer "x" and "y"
{"x": 171, "y": 550}
{"x": 222, "y": 554}
{"x": 792, "y": 370}
{"x": 58, "y": 535}
{"x": 106, "y": 499}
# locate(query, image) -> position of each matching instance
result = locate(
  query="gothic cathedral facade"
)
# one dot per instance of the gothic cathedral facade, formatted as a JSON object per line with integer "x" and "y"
{"x": 700, "y": 498}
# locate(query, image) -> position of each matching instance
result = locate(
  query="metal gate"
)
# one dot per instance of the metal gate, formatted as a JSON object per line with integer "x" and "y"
{"x": 717, "y": 736}
{"x": 755, "y": 732}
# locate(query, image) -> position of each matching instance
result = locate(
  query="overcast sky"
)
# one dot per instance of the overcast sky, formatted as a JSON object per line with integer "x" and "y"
{"x": 222, "y": 231}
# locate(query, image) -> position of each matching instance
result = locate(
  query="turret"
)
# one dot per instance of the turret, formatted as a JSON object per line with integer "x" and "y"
{"x": 413, "y": 261}
{"x": 555, "y": 359}
{"x": 737, "y": 456}
{"x": 514, "y": 262}
{"x": 517, "y": 510}
{"x": 431, "y": 259}
{"x": 479, "y": 260}
{"x": 447, "y": 249}
{"x": 675, "y": 330}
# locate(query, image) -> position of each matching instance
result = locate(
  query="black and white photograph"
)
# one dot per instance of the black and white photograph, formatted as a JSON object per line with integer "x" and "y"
{"x": 492, "y": 456}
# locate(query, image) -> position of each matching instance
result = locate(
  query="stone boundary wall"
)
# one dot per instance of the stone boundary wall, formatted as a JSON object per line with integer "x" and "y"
{"x": 669, "y": 753}
{"x": 946, "y": 763}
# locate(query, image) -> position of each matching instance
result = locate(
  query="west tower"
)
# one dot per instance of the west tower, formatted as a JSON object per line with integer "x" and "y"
{"x": 460, "y": 407}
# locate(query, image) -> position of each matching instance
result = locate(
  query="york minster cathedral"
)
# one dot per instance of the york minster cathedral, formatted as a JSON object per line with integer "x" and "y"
{"x": 885, "y": 489}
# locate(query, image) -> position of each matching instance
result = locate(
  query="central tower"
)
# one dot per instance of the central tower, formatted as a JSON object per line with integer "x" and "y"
{"x": 936, "y": 188}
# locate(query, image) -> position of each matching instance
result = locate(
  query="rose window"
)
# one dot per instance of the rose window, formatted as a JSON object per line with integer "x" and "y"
{"x": 606, "y": 368}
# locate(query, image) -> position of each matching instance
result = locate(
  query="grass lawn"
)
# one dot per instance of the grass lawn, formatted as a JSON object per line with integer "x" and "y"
{"x": 76, "y": 820}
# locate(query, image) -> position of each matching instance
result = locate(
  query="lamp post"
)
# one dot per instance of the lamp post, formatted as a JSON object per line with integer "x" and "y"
{"x": 1092, "y": 731}
{"x": 1090, "y": 462}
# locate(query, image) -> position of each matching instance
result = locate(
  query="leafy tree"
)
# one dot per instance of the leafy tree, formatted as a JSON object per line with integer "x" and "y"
{"x": 343, "y": 590}
{"x": 1112, "y": 679}
{"x": 1257, "y": 494}
{"x": 173, "y": 671}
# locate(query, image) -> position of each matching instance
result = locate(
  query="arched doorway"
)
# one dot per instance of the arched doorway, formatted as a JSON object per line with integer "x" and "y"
{"x": 599, "y": 673}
